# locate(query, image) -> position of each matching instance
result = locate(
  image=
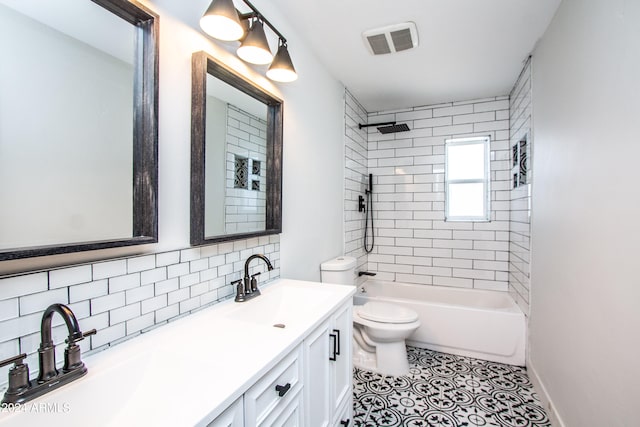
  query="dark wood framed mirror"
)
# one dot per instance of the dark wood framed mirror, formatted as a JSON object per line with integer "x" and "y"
{"x": 236, "y": 155}
{"x": 79, "y": 143}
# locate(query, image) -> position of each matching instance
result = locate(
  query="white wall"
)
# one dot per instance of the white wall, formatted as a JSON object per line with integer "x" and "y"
{"x": 585, "y": 290}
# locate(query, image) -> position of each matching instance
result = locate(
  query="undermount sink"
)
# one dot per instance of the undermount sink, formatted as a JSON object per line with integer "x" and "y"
{"x": 281, "y": 305}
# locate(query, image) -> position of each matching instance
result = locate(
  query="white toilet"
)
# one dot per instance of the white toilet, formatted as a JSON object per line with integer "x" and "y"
{"x": 379, "y": 329}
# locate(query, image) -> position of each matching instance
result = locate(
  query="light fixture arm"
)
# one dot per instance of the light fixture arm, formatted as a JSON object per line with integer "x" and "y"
{"x": 255, "y": 14}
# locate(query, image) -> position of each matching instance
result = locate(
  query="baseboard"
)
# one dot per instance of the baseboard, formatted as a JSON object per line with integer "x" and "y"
{"x": 545, "y": 399}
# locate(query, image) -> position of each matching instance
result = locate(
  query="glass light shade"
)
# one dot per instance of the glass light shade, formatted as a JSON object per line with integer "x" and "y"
{"x": 221, "y": 21}
{"x": 255, "y": 47}
{"x": 281, "y": 69}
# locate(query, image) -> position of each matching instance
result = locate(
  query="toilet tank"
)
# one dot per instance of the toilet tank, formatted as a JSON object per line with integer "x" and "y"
{"x": 340, "y": 270}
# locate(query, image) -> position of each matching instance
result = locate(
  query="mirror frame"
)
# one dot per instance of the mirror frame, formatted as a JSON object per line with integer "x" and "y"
{"x": 203, "y": 64}
{"x": 144, "y": 143}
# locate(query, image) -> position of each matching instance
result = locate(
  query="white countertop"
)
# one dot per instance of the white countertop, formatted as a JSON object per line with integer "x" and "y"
{"x": 185, "y": 373}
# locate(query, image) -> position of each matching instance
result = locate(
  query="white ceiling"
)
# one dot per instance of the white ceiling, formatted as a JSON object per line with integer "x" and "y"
{"x": 468, "y": 48}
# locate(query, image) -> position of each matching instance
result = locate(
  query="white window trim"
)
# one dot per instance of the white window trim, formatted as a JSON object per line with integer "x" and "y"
{"x": 486, "y": 180}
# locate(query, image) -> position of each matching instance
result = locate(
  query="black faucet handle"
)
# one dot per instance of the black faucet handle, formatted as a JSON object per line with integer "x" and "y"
{"x": 79, "y": 336}
{"x": 18, "y": 375}
{"x": 254, "y": 275}
{"x": 15, "y": 359}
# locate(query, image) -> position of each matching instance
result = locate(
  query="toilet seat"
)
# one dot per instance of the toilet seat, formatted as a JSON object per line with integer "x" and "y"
{"x": 386, "y": 313}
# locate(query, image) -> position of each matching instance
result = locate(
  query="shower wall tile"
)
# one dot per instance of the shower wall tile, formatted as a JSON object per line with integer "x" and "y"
{"x": 355, "y": 178}
{"x": 413, "y": 242}
{"x": 123, "y": 302}
{"x": 520, "y": 197}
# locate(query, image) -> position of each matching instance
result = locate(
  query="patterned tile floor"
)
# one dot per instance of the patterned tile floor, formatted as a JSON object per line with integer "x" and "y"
{"x": 445, "y": 390}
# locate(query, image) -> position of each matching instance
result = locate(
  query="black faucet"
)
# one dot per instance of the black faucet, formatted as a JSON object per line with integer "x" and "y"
{"x": 21, "y": 389}
{"x": 247, "y": 288}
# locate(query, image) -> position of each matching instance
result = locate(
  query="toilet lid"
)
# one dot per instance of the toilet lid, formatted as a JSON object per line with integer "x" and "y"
{"x": 387, "y": 313}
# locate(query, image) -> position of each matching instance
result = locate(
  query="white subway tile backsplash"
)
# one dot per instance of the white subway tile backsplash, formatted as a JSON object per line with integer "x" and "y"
{"x": 70, "y": 276}
{"x": 151, "y": 276}
{"x": 108, "y": 335}
{"x": 139, "y": 294}
{"x": 167, "y": 258}
{"x": 139, "y": 323}
{"x": 121, "y": 283}
{"x": 35, "y": 303}
{"x": 177, "y": 296}
{"x": 107, "y": 302}
{"x": 168, "y": 312}
{"x": 16, "y": 286}
{"x": 89, "y": 290}
{"x": 123, "y": 314}
{"x": 152, "y": 304}
{"x": 141, "y": 263}
{"x": 8, "y": 309}
{"x": 189, "y": 304}
{"x": 177, "y": 270}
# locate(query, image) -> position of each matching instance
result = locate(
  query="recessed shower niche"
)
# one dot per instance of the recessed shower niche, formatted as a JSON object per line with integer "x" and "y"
{"x": 520, "y": 161}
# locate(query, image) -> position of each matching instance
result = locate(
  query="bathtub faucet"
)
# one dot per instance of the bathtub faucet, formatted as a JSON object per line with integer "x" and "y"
{"x": 365, "y": 273}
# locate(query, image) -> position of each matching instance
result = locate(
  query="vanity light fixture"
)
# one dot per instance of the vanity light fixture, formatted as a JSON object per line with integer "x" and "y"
{"x": 255, "y": 47}
{"x": 224, "y": 22}
{"x": 281, "y": 69}
{"x": 221, "y": 21}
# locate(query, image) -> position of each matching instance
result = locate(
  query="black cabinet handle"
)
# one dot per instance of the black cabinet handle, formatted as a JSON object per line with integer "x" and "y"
{"x": 283, "y": 389}
{"x": 335, "y": 340}
{"x": 337, "y": 331}
{"x": 345, "y": 423}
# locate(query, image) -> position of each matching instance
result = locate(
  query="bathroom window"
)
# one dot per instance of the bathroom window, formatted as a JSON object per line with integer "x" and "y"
{"x": 467, "y": 179}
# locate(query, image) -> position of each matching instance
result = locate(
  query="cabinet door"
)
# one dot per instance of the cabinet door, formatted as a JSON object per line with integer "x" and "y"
{"x": 316, "y": 380}
{"x": 345, "y": 415}
{"x": 342, "y": 367}
{"x": 233, "y": 416}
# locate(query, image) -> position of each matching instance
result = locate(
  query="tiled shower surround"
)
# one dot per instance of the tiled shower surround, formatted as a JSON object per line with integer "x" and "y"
{"x": 413, "y": 241}
{"x": 355, "y": 178}
{"x": 520, "y": 225}
{"x": 122, "y": 298}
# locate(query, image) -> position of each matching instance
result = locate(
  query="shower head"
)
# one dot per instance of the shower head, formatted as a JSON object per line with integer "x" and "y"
{"x": 393, "y": 128}
{"x": 387, "y": 127}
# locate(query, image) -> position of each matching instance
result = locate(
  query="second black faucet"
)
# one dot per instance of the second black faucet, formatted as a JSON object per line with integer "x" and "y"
{"x": 247, "y": 288}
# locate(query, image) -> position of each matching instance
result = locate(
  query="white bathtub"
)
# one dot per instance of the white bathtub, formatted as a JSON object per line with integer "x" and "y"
{"x": 469, "y": 322}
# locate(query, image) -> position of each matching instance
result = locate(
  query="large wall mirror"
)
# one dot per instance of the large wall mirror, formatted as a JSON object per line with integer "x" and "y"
{"x": 78, "y": 126}
{"x": 236, "y": 155}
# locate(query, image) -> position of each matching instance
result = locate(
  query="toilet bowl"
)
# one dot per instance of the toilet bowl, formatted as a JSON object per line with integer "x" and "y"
{"x": 379, "y": 334}
{"x": 379, "y": 329}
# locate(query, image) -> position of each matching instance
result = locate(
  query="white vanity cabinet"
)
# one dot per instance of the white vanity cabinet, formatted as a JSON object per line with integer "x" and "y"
{"x": 328, "y": 371}
{"x": 233, "y": 416}
{"x": 311, "y": 386}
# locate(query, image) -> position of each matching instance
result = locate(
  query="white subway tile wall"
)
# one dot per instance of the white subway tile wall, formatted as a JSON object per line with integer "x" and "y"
{"x": 245, "y": 208}
{"x": 413, "y": 242}
{"x": 520, "y": 197}
{"x": 355, "y": 179}
{"x": 125, "y": 297}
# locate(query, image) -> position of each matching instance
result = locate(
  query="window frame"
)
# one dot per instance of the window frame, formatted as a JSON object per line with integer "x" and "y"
{"x": 486, "y": 180}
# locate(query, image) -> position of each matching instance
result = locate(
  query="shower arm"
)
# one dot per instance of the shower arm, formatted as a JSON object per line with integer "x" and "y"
{"x": 360, "y": 125}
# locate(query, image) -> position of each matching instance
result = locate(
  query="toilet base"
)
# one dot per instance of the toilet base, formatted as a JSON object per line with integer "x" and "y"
{"x": 388, "y": 359}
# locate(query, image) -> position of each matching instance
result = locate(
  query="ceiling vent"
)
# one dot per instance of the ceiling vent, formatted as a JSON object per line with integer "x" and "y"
{"x": 392, "y": 38}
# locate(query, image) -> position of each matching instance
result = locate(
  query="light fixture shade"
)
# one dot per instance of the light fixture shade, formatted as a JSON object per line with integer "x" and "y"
{"x": 255, "y": 47}
{"x": 221, "y": 21}
{"x": 281, "y": 69}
